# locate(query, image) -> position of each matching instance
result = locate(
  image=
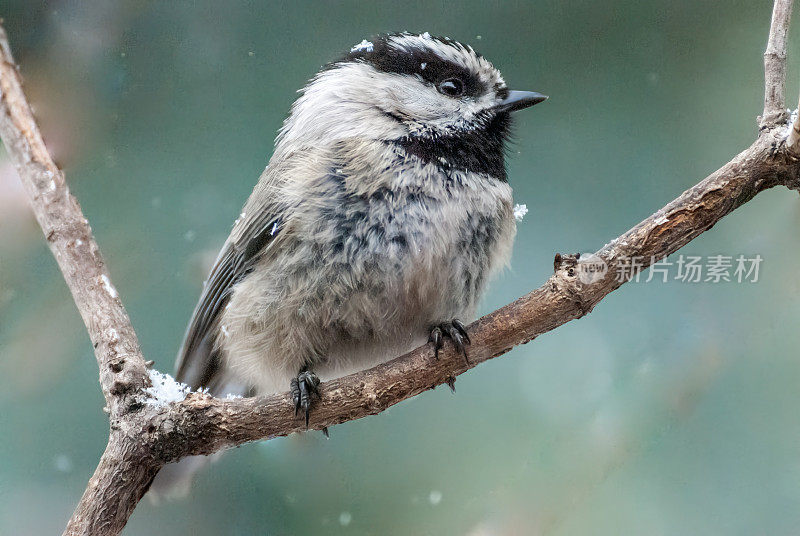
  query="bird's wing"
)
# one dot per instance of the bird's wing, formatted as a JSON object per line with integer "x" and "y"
{"x": 198, "y": 361}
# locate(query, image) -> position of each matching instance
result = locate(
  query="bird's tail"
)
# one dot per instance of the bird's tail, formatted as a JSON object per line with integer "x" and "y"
{"x": 174, "y": 481}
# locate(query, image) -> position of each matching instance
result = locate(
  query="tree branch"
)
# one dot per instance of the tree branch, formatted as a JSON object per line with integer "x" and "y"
{"x": 775, "y": 64}
{"x": 146, "y": 433}
{"x": 123, "y": 372}
{"x": 205, "y": 424}
{"x": 121, "y": 479}
{"x": 122, "y": 367}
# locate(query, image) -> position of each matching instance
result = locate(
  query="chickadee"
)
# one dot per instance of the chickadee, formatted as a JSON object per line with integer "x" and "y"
{"x": 381, "y": 216}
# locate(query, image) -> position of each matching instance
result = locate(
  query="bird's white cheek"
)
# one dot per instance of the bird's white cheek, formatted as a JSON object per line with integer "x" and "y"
{"x": 423, "y": 108}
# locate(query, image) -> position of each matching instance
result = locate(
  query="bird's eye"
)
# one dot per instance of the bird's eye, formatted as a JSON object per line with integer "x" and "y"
{"x": 452, "y": 87}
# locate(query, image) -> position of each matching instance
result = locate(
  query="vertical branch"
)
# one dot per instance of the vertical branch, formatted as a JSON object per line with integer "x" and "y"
{"x": 775, "y": 63}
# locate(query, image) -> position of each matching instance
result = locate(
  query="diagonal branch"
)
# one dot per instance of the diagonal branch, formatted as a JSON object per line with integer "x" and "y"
{"x": 122, "y": 367}
{"x": 207, "y": 424}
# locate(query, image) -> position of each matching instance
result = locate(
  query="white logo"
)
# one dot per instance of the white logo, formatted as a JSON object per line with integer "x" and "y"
{"x": 591, "y": 268}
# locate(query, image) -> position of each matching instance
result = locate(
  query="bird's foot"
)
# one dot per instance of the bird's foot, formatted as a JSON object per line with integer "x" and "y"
{"x": 456, "y": 331}
{"x": 303, "y": 388}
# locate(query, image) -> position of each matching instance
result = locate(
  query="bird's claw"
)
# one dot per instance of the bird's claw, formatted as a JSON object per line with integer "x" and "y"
{"x": 303, "y": 388}
{"x": 456, "y": 331}
{"x": 451, "y": 383}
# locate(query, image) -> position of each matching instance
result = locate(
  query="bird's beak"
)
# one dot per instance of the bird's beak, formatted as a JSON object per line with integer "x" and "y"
{"x": 517, "y": 100}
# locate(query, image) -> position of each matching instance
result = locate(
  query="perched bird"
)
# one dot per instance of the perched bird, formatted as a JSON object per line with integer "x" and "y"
{"x": 382, "y": 214}
{"x": 375, "y": 227}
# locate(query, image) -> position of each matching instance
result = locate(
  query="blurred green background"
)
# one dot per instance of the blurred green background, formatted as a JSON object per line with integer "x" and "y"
{"x": 671, "y": 409}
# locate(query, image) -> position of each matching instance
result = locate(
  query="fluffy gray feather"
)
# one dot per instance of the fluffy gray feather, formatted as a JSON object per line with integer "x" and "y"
{"x": 383, "y": 212}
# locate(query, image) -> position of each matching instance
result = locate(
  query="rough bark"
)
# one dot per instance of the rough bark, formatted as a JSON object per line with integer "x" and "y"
{"x": 146, "y": 433}
{"x": 775, "y": 63}
{"x": 121, "y": 479}
{"x": 122, "y": 367}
